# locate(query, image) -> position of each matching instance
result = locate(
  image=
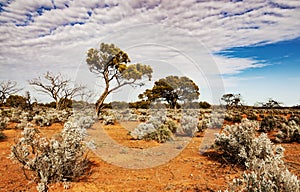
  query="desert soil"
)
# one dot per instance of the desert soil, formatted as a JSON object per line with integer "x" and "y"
{"x": 188, "y": 171}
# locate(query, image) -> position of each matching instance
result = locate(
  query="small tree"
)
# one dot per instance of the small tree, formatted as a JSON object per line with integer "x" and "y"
{"x": 270, "y": 104}
{"x": 110, "y": 62}
{"x": 57, "y": 87}
{"x": 172, "y": 89}
{"x": 8, "y": 88}
{"x": 232, "y": 100}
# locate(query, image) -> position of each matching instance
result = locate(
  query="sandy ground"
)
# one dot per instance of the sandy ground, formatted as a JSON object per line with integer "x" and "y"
{"x": 188, "y": 171}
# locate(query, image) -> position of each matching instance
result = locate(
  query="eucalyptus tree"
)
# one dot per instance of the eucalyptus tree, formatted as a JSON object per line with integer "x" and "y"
{"x": 172, "y": 89}
{"x": 110, "y": 63}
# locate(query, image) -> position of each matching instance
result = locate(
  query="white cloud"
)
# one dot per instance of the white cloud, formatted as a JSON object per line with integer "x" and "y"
{"x": 236, "y": 65}
{"x": 49, "y": 41}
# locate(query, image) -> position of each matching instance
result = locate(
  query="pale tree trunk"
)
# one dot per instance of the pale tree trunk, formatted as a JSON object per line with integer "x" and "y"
{"x": 100, "y": 101}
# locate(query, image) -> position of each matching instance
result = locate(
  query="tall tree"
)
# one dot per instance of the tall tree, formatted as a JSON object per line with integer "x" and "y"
{"x": 172, "y": 89}
{"x": 8, "y": 88}
{"x": 57, "y": 87}
{"x": 110, "y": 63}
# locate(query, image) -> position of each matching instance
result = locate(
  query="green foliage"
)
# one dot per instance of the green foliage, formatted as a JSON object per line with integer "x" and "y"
{"x": 51, "y": 104}
{"x": 204, "y": 105}
{"x": 140, "y": 104}
{"x": 172, "y": 89}
{"x": 7, "y": 88}
{"x": 65, "y": 103}
{"x": 161, "y": 135}
{"x": 289, "y": 132}
{"x": 269, "y": 123}
{"x": 16, "y": 101}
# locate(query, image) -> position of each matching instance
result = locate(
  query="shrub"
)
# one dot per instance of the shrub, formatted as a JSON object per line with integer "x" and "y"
{"x": 289, "y": 132}
{"x": 236, "y": 118}
{"x": 267, "y": 171}
{"x": 204, "y": 105}
{"x": 54, "y": 159}
{"x": 16, "y": 101}
{"x": 189, "y": 125}
{"x": 161, "y": 135}
{"x": 268, "y": 175}
{"x": 238, "y": 142}
{"x": 269, "y": 123}
{"x": 157, "y": 128}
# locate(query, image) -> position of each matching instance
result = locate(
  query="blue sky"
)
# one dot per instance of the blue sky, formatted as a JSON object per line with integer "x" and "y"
{"x": 247, "y": 47}
{"x": 281, "y": 73}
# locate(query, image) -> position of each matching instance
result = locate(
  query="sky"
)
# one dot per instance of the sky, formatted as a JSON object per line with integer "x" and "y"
{"x": 233, "y": 46}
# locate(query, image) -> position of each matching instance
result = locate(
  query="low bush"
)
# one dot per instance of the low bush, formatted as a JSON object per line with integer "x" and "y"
{"x": 269, "y": 174}
{"x": 158, "y": 128}
{"x": 204, "y": 105}
{"x": 262, "y": 159}
{"x": 189, "y": 125}
{"x": 289, "y": 132}
{"x": 161, "y": 135}
{"x": 56, "y": 159}
{"x": 270, "y": 123}
{"x": 239, "y": 144}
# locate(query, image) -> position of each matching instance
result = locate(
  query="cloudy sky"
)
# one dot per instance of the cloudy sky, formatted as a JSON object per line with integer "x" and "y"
{"x": 248, "y": 47}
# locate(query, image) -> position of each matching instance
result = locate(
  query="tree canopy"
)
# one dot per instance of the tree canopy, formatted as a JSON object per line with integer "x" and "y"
{"x": 110, "y": 63}
{"x": 172, "y": 89}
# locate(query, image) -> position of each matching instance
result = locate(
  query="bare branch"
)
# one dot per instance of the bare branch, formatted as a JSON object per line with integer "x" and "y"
{"x": 56, "y": 86}
{"x": 8, "y": 88}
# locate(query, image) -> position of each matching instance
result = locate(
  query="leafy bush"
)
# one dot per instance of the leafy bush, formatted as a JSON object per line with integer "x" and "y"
{"x": 189, "y": 125}
{"x": 16, "y": 101}
{"x": 54, "y": 159}
{"x": 161, "y": 135}
{"x": 267, "y": 171}
{"x": 289, "y": 132}
{"x": 238, "y": 142}
{"x": 158, "y": 128}
{"x": 204, "y": 105}
{"x": 269, "y": 123}
{"x": 235, "y": 118}
{"x": 269, "y": 174}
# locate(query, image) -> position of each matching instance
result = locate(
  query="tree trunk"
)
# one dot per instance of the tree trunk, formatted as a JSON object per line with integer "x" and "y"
{"x": 57, "y": 104}
{"x": 100, "y": 101}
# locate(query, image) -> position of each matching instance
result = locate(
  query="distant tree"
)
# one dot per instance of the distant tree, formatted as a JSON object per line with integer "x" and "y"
{"x": 7, "y": 88}
{"x": 110, "y": 63}
{"x": 271, "y": 103}
{"x": 232, "y": 100}
{"x": 57, "y": 87}
{"x": 172, "y": 89}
